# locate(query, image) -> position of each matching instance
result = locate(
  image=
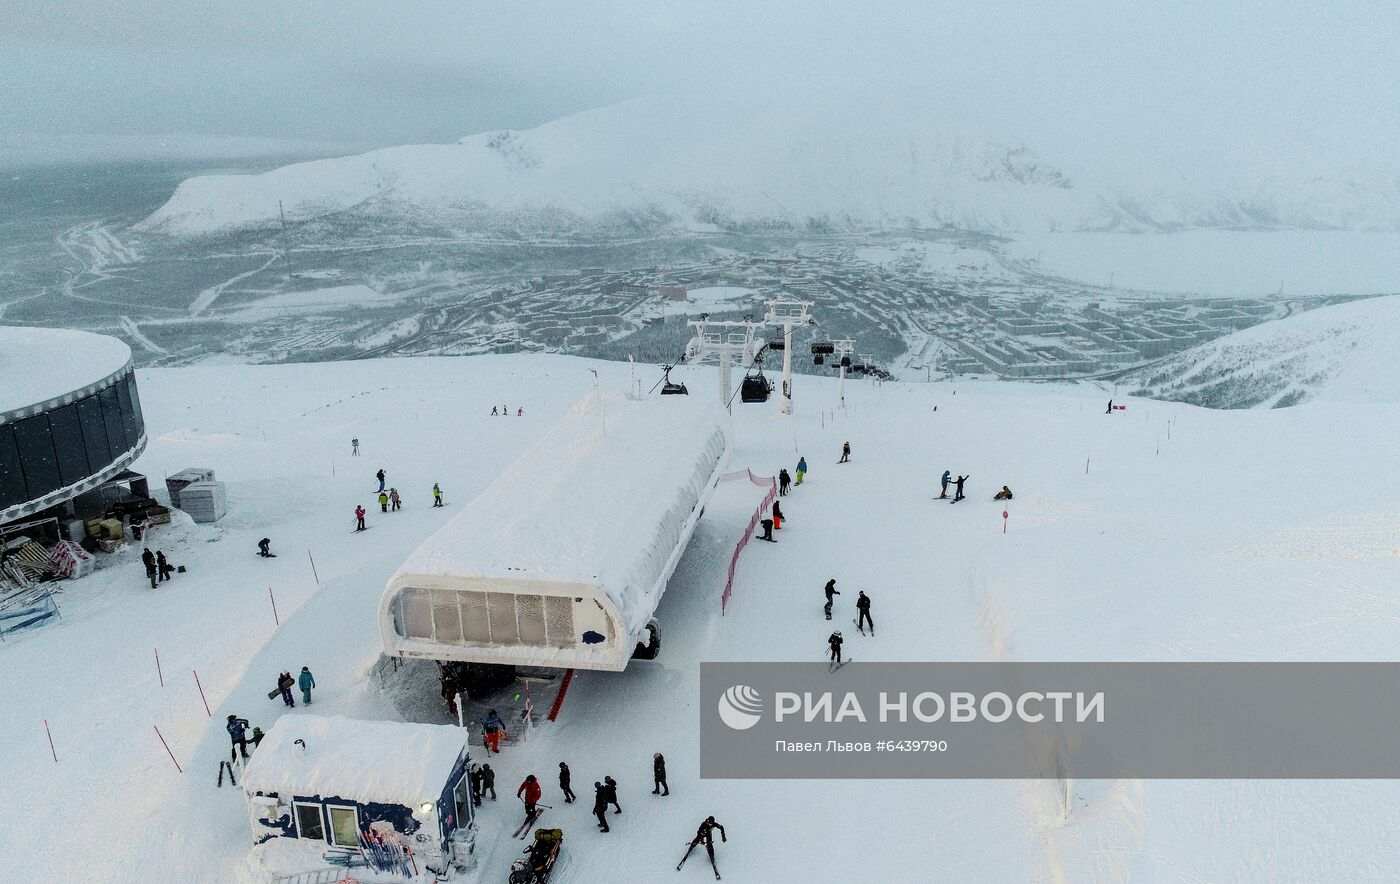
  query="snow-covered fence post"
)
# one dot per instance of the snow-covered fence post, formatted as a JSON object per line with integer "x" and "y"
{"x": 159, "y": 674}
{"x": 52, "y": 750}
{"x": 275, "y": 619}
{"x": 201, "y": 694}
{"x": 167, "y": 750}
{"x": 313, "y": 567}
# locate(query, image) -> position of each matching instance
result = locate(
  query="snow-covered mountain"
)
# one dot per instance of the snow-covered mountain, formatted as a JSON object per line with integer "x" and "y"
{"x": 1342, "y": 353}
{"x": 664, "y": 163}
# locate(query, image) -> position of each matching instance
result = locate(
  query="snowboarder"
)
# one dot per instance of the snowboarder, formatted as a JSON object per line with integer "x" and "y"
{"x": 658, "y": 775}
{"x": 355, "y": 447}
{"x": 1003, "y": 494}
{"x": 947, "y": 480}
{"x": 831, "y": 593}
{"x": 495, "y": 412}
{"x": 610, "y": 790}
{"x": 706, "y": 835}
{"x": 265, "y": 548}
{"x": 359, "y": 517}
{"x": 784, "y": 482}
{"x": 238, "y": 732}
{"x": 958, "y": 494}
{"x": 306, "y": 681}
{"x": 834, "y": 642}
{"x": 380, "y": 476}
{"x": 564, "y": 777}
{"x": 163, "y": 568}
{"x": 149, "y": 559}
{"x": 777, "y": 515}
{"x": 1109, "y": 410}
{"x": 863, "y": 606}
{"x": 394, "y": 499}
{"x": 767, "y": 531}
{"x": 801, "y": 470}
{"x": 600, "y": 805}
{"x": 488, "y": 781}
{"x": 437, "y": 495}
{"x": 284, "y": 686}
{"x": 845, "y": 452}
{"x": 529, "y": 792}
{"x": 493, "y": 731}
{"x": 383, "y": 502}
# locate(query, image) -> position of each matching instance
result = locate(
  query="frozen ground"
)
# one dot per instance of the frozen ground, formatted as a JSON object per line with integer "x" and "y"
{"x": 1192, "y": 535}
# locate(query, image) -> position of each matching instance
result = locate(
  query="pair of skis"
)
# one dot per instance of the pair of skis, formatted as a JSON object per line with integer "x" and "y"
{"x": 861, "y": 629}
{"x": 524, "y": 829}
{"x": 688, "y": 851}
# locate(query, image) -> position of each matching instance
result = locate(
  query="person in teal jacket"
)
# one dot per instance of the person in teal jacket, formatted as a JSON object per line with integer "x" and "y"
{"x": 306, "y": 681}
{"x": 801, "y": 470}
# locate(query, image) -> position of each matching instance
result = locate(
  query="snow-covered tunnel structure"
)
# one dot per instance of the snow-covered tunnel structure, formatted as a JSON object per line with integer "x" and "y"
{"x": 564, "y": 558}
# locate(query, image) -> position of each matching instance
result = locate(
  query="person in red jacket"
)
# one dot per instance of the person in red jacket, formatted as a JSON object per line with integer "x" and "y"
{"x": 529, "y": 792}
{"x": 359, "y": 518}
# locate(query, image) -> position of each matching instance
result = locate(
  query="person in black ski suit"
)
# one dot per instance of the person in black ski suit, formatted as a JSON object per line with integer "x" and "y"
{"x": 265, "y": 548}
{"x": 705, "y": 835}
{"x": 284, "y": 684}
{"x": 600, "y": 805}
{"x": 784, "y": 481}
{"x": 863, "y": 606}
{"x": 767, "y": 531}
{"x": 845, "y": 452}
{"x": 148, "y": 558}
{"x": 831, "y": 593}
{"x": 610, "y": 789}
{"x": 238, "y": 732}
{"x": 958, "y": 494}
{"x": 488, "y": 781}
{"x": 163, "y": 568}
{"x": 564, "y": 777}
{"x": 1109, "y": 410}
{"x": 835, "y": 643}
{"x": 658, "y": 775}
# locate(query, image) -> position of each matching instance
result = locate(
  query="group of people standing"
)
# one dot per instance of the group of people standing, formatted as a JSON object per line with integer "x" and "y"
{"x": 285, "y": 682}
{"x": 158, "y": 570}
{"x": 389, "y": 500}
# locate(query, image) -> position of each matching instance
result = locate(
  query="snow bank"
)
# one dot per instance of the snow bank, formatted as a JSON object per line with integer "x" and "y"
{"x": 385, "y": 761}
{"x": 39, "y": 364}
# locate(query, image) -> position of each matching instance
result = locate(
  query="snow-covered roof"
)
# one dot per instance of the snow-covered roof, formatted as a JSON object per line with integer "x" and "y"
{"x": 392, "y": 762}
{"x": 591, "y": 507}
{"x": 39, "y": 364}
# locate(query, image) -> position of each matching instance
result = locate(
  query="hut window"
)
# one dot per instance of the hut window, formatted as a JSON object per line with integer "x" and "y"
{"x": 345, "y": 826}
{"x": 309, "y": 823}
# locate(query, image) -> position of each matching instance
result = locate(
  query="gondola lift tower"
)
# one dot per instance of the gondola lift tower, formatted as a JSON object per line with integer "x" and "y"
{"x": 787, "y": 312}
{"x": 720, "y": 340}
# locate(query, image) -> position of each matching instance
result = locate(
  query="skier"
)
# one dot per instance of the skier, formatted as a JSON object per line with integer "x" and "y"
{"x": 493, "y": 731}
{"x": 306, "y": 681}
{"x": 520, "y": 412}
{"x": 359, "y": 517}
{"x": 495, "y": 412}
{"x": 610, "y": 789}
{"x": 658, "y": 775}
{"x": 784, "y": 482}
{"x": 437, "y": 495}
{"x": 265, "y": 548}
{"x": 383, "y": 502}
{"x": 767, "y": 531}
{"x": 801, "y": 470}
{"x": 1003, "y": 494}
{"x": 564, "y": 777}
{"x": 380, "y": 476}
{"x": 394, "y": 498}
{"x": 238, "y": 732}
{"x": 149, "y": 559}
{"x": 845, "y": 453}
{"x": 777, "y": 515}
{"x": 958, "y": 495}
{"x": 600, "y": 805}
{"x": 163, "y": 568}
{"x": 863, "y": 606}
{"x": 488, "y": 781}
{"x": 947, "y": 479}
{"x": 831, "y": 593}
{"x": 355, "y": 447}
{"x": 835, "y": 643}
{"x": 284, "y": 684}
{"x": 706, "y": 835}
{"x": 529, "y": 792}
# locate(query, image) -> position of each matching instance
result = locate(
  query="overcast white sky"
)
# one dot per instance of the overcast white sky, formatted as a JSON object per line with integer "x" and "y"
{"x": 1304, "y": 86}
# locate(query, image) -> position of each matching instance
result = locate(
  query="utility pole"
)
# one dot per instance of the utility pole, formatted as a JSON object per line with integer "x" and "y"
{"x": 787, "y": 312}
{"x": 844, "y": 348}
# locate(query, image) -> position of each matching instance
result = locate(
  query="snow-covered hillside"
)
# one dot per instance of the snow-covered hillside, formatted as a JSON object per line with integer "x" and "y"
{"x": 667, "y": 163}
{"x": 1342, "y": 353}
{"x": 1187, "y": 539}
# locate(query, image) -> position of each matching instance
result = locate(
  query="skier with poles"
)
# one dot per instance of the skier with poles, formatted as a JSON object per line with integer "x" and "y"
{"x": 863, "y": 606}
{"x": 831, "y": 593}
{"x": 706, "y": 835}
{"x": 564, "y": 777}
{"x": 834, "y": 642}
{"x": 947, "y": 479}
{"x": 658, "y": 775}
{"x": 437, "y": 495}
{"x": 359, "y": 517}
{"x": 530, "y": 793}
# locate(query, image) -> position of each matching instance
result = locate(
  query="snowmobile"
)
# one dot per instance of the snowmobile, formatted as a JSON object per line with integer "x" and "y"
{"x": 538, "y": 862}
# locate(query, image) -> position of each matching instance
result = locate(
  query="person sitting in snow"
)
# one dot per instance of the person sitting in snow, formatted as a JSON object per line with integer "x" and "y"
{"x": 1003, "y": 494}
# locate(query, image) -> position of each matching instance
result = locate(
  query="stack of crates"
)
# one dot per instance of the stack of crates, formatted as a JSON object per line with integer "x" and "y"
{"x": 181, "y": 480}
{"x": 204, "y": 501}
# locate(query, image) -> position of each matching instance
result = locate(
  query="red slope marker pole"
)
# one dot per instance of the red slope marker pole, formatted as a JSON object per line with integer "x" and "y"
{"x": 313, "y": 567}
{"x": 559, "y": 697}
{"x": 167, "y": 749}
{"x": 159, "y": 674}
{"x": 275, "y": 619}
{"x": 51, "y": 748}
{"x": 201, "y": 694}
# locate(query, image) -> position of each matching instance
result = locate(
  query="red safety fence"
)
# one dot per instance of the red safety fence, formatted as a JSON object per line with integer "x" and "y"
{"x": 772, "y": 484}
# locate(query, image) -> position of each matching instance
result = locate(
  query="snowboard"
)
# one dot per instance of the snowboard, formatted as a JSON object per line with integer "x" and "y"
{"x": 274, "y": 694}
{"x": 268, "y": 556}
{"x": 761, "y": 537}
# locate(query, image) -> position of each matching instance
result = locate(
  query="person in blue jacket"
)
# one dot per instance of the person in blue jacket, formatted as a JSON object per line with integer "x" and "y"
{"x": 947, "y": 478}
{"x": 801, "y": 470}
{"x": 306, "y": 681}
{"x": 238, "y": 732}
